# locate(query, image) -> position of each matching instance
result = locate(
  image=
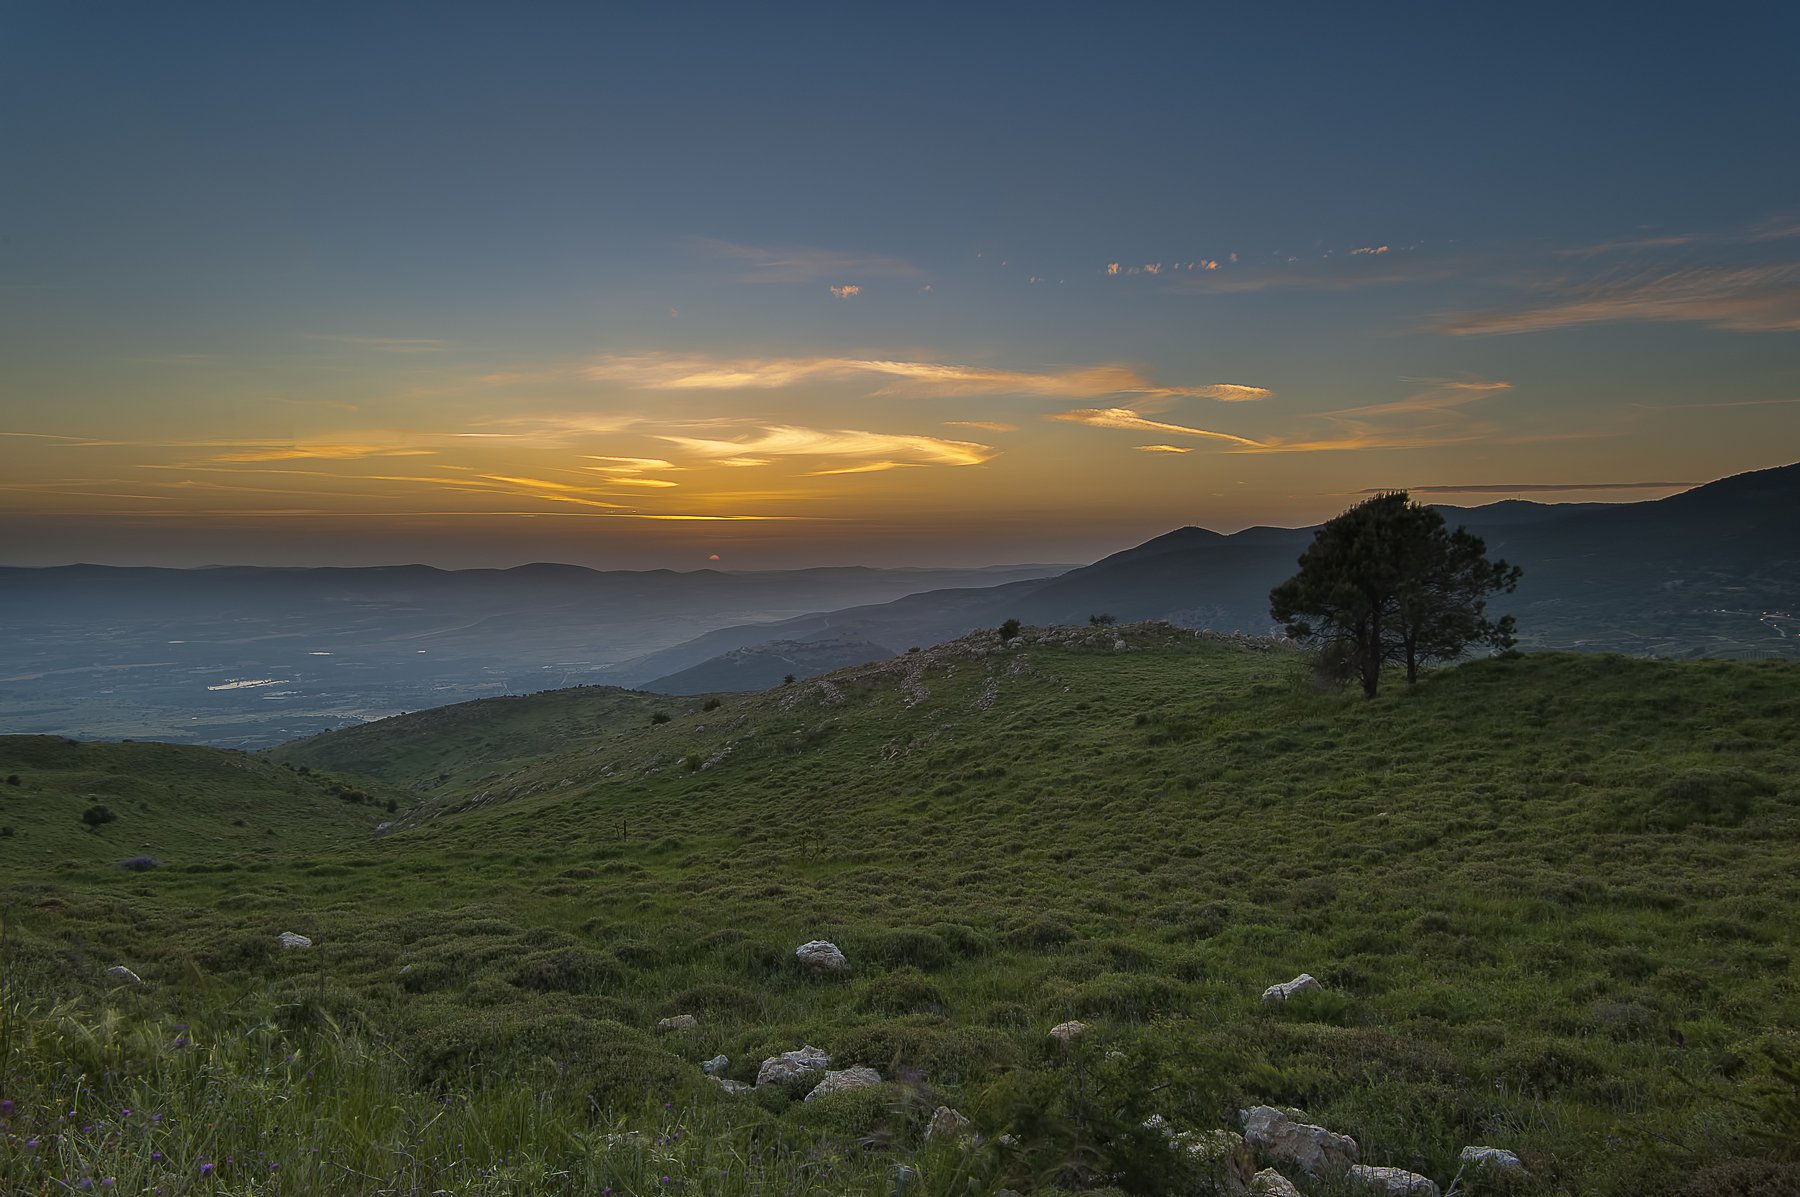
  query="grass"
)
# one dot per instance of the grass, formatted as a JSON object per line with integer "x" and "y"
{"x": 1551, "y": 901}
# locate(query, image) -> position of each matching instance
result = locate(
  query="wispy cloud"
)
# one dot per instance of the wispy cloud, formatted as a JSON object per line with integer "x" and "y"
{"x": 800, "y": 264}
{"x": 1163, "y": 448}
{"x": 320, "y": 453}
{"x": 873, "y": 467}
{"x": 629, "y": 464}
{"x": 1119, "y": 417}
{"x": 1741, "y": 299}
{"x": 385, "y": 344}
{"x": 788, "y": 440}
{"x": 670, "y": 372}
{"x": 847, "y": 291}
{"x": 983, "y": 425}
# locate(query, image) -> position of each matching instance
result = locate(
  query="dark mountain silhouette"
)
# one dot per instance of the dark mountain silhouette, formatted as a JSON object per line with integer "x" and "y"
{"x": 1688, "y": 575}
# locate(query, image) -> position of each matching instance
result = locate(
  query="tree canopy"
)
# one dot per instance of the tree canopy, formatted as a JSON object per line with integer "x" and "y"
{"x": 1387, "y": 582}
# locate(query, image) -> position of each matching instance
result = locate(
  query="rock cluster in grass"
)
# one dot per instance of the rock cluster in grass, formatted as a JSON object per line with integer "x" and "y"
{"x": 846, "y": 1081}
{"x": 791, "y": 1067}
{"x": 677, "y": 1022}
{"x": 820, "y": 956}
{"x": 1287, "y": 989}
{"x": 1067, "y": 1032}
{"x": 288, "y": 939}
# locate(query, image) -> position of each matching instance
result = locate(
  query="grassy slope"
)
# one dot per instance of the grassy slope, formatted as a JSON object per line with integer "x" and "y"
{"x": 1550, "y": 900}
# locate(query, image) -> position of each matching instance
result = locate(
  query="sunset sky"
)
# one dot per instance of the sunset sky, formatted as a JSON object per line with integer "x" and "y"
{"x": 789, "y": 284}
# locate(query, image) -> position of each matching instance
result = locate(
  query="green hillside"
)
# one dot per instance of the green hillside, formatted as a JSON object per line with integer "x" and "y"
{"x": 1550, "y": 901}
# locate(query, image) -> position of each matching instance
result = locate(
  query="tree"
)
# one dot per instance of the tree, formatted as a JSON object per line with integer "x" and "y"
{"x": 1387, "y": 583}
{"x": 1009, "y": 629}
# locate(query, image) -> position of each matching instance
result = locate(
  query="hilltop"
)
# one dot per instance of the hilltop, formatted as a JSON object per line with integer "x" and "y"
{"x": 1546, "y": 899}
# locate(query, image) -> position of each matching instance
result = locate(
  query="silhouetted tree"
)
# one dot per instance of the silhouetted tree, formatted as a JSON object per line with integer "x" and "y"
{"x": 1009, "y": 629}
{"x": 1388, "y": 583}
{"x": 1101, "y": 621}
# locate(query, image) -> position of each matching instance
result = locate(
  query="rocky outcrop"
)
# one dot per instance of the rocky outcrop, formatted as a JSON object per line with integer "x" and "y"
{"x": 792, "y": 1067}
{"x": 1391, "y": 1182}
{"x": 846, "y": 1081}
{"x": 288, "y": 939}
{"x": 1492, "y": 1159}
{"x": 730, "y": 1086}
{"x": 1287, "y": 989}
{"x": 1270, "y": 1183}
{"x": 678, "y": 1022}
{"x": 716, "y": 1066}
{"x": 1067, "y": 1032}
{"x": 1313, "y": 1149}
{"x": 820, "y": 956}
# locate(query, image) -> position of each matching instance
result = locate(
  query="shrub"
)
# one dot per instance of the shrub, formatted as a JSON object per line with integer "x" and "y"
{"x": 712, "y": 704}
{"x": 909, "y": 945}
{"x": 569, "y": 970}
{"x": 138, "y": 864}
{"x": 96, "y": 816}
{"x": 905, "y": 992}
{"x": 12, "y": 779}
{"x": 1009, "y": 629}
{"x": 659, "y": 717}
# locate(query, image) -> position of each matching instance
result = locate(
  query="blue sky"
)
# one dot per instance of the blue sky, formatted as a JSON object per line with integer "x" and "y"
{"x": 792, "y": 284}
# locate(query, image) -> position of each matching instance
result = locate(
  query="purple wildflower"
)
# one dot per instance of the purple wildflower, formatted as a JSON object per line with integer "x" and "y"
{"x": 206, "y": 1168}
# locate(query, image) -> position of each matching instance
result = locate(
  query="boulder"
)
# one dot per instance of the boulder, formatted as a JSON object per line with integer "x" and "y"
{"x": 1287, "y": 989}
{"x": 790, "y": 1067}
{"x": 846, "y": 1081}
{"x": 680, "y": 1022}
{"x": 716, "y": 1066}
{"x": 1391, "y": 1182}
{"x": 1313, "y": 1149}
{"x": 1222, "y": 1152}
{"x": 947, "y": 1123}
{"x": 288, "y": 939}
{"x": 1270, "y": 1183}
{"x": 730, "y": 1086}
{"x": 820, "y": 956}
{"x": 1495, "y": 1159}
{"x": 119, "y": 972}
{"x": 1065, "y": 1032}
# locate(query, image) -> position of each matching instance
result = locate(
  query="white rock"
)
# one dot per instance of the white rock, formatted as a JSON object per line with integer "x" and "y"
{"x": 947, "y": 1123}
{"x": 1286, "y": 990}
{"x": 1313, "y": 1149}
{"x": 844, "y": 1082}
{"x": 793, "y": 1066}
{"x": 1392, "y": 1182}
{"x": 1270, "y": 1183}
{"x": 1221, "y": 1151}
{"x": 1497, "y": 1159}
{"x": 119, "y": 972}
{"x": 730, "y": 1086}
{"x": 716, "y": 1066}
{"x": 680, "y": 1022}
{"x": 288, "y": 939}
{"x": 820, "y": 956}
{"x": 1063, "y": 1032}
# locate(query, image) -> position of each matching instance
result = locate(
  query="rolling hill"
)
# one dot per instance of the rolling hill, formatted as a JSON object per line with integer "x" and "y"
{"x": 1546, "y": 899}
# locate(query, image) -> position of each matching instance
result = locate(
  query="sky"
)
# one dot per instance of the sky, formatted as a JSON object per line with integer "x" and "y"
{"x": 778, "y": 285}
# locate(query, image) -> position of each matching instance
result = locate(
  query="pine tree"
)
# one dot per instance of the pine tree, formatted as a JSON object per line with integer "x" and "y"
{"x": 1387, "y": 583}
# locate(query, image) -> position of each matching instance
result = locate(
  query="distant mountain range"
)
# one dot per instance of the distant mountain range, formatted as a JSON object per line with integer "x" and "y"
{"x": 1690, "y": 575}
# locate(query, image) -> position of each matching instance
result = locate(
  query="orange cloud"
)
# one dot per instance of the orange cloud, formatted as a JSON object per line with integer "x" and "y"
{"x": 847, "y": 291}
{"x": 1743, "y": 299}
{"x": 791, "y": 441}
{"x": 1119, "y": 417}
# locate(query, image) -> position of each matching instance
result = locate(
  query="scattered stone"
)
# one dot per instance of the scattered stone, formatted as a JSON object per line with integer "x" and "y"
{"x": 1006, "y": 1141}
{"x": 1221, "y": 1151}
{"x": 730, "y": 1086}
{"x": 1286, "y": 990}
{"x": 1270, "y": 1183}
{"x": 288, "y": 939}
{"x": 1392, "y": 1182}
{"x": 947, "y": 1123}
{"x": 716, "y": 1066}
{"x": 139, "y": 864}
{"x": 1313, "y": 1149}
{"x": 680, "y": 1022}
{"x": 119, "y": 972}
{"x": 793, "y": 1066}
{"x": 1497, "y": 1159}
{"x": 820, "y": 956}
{"x": 1064, "y": 1032}
{"x": 846, "y": 1081}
